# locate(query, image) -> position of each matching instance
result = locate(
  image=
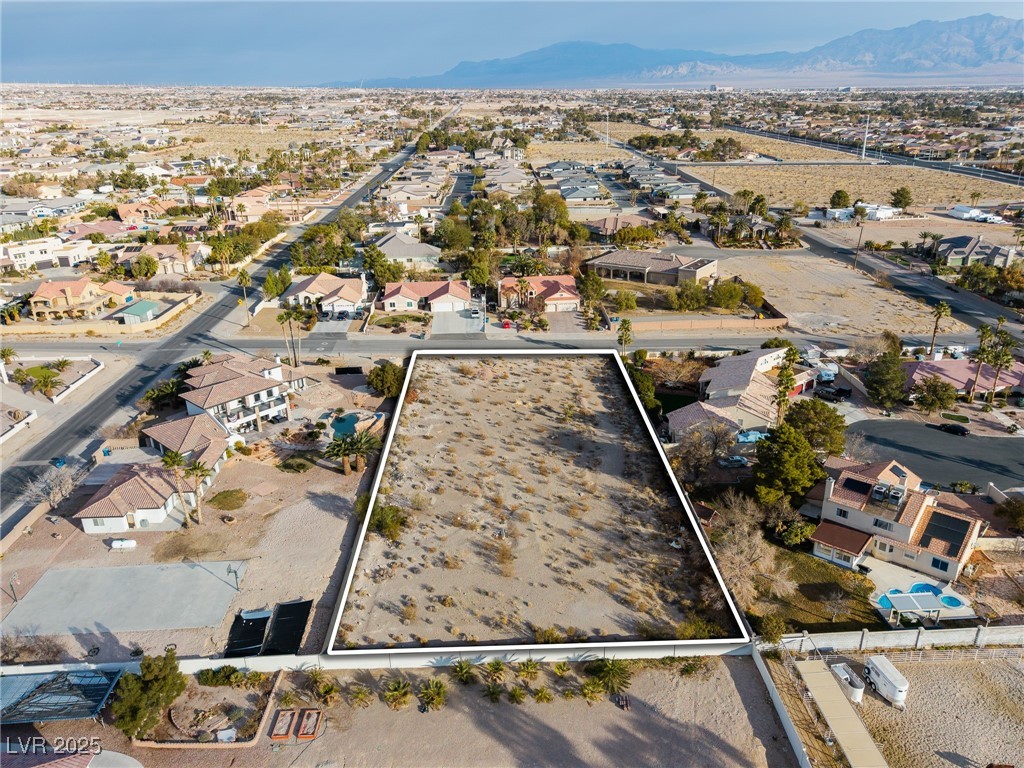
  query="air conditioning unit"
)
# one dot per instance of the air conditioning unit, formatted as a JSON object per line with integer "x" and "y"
{"x": 896, "y": 494}
{"x": 879, "y": 492}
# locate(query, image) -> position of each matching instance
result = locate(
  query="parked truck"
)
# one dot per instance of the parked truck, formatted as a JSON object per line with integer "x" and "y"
{"x": 883, "y": 678}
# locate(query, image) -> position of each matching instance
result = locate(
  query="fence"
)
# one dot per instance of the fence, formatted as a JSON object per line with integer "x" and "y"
{"x": 97, "y": 367}
{"x": 780, "y": 708}
{"x": 911, "y": 639}
{"x": 98, "y": 327}
{"x": 17, "y": 427}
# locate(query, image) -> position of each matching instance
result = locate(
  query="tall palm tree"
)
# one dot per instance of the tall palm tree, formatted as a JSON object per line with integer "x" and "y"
{"x": 522, "y": 288}
{"x": 924, "y": 237}
{"x": 940, "y": 311}
{"x": 341, "y": 448}
{"x": 288, "y": 316}
{"x": 175, "y": 462}
{"x": 183, "y": 255}
{"x": 936, "y": 238}
{"x": 719, "y": 220}
{"x": 245, "y": 281}
{"x": 980, "y": 357}
{"x": 1001, "y": 358}
{"x": 784, "y": 225}
{"x": 198, "y": 472}
{"x": 364, "y": 445}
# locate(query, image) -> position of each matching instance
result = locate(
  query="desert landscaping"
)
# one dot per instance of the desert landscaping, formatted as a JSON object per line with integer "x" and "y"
{"x": 543, "y": 152}
{"x": 534, "y": 480}
{"x": 823, "y": 296}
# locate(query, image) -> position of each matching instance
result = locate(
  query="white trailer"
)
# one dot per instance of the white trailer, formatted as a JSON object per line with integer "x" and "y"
{"x": 965, "y": 212}
{"x": 883, "y": 678}
{"x": 850, "y": 682}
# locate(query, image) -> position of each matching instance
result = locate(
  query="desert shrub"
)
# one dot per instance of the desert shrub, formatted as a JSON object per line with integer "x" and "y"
{"x": 493, "y": 692}
{"x": 388, "y": 521}
{"x": 543, "y": 695}
{"x": 463, "y": 671}
{"x": 772, "y": 628}
{"x": 434, "y": 693}
{"x": 547, "y": 635}
{"x": 245, "y": 450}
{"x": 517, "y": 694}
{"x": 397, "y": 693}
{"x": 216, "y": 677}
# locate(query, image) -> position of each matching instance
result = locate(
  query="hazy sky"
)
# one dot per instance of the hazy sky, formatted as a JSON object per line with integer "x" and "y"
{"x": 305, "y": 43}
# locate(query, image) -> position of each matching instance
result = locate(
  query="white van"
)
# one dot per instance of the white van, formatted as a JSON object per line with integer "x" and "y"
{"x": 883, "y": 678}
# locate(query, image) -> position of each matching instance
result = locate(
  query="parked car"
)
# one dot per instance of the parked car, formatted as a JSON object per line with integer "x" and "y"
{"x": 828, "y": 394}
{"x": 846, "y": 392}
{"x": 474, "y": 312}
{"x": 343, "y": 315}
{"x": 359, "y": 314}
{"x": 955, "y": 429}
{"x": 733, "y": 462}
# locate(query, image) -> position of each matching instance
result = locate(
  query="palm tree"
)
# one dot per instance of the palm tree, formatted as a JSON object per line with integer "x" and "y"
{"x": 980, "y": 357}
{"x": 494, "y": 670}
{"x": 288, "y": 316}
{"x": 719, "y": 220}
{"x": 1001, "y": 358}
{"x": 206, "y": 356}
{"x": 613, "y": 674}
{"x": 198, "y": 472}
{"x": 244, "y": 282}
{"x": 935, "y": 237}
{"x": 528, "y": 670}
{"x": 940, "y": 311}
{"x": 924, "y": 237}
{"x": 183, "y": 255}
{"x": 364, "y": 445}
{"x": 784, "y": 225}
{"x": 46, "y": 381}
{"x": 341, "y": 448}
{"x": 175, "y": 462}
{"x": 975, "y": 197}
{"x": 463, "y": 671}
{"x": 60, "y": 365}
{"x": 522, "y": 289}
{"x": 8, "y": 354}
{"x": 905, "y": 245}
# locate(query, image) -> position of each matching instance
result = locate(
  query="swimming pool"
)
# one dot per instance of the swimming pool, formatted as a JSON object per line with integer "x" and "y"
{"x": 345, "y": 425}
{"x": 921, "y": 588}
{"x": 885, "y": 602}
{"x": 951, "y": 602}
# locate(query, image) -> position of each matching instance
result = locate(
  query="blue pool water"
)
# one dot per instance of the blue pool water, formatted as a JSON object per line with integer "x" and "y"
{"x": 345, "y": 425}
{"x": 921, "y": 588}
{"x": 951, "y": 602}
{"x": 884, "y": 602}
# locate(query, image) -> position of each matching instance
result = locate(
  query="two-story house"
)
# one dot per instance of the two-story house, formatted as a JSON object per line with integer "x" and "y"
{"x": 557, "y": 291}
{"x": 881, "y": 510}
{"x": 241, "y": 394}
{"x": 77, "y": 298}
{"x": 39, "y": 253}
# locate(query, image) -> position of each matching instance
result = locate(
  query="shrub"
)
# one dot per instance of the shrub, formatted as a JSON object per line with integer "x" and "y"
{"x": 397, "y": 693}
{"x": 543, "y": 695}
{"x": 773, "y": 627}
{"x": 229, "y": 500}
{"x": 245, "y": 450}
{"x": 434, "y": 693}
{"x": 561, "y": 669}
{"x": 463, "y": 671}
{"x": 517, "y": 694}
{"x": 493, "y": 692}
{"x": 295, "y": 464}
{"x": 216, "y": 677}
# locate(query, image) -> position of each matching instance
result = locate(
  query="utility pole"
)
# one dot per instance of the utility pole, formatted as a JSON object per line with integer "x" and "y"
{"x": 864, "y": 149}
{"x": 856, "y": 253}
{"x": 607, "y": 137}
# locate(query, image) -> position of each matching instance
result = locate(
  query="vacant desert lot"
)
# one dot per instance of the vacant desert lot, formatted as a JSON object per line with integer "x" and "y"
{"x": 537, "y": 501}
{"x": 823, "y": 296}
{"x": 544, "y": 152}
{"x": 965, "y": 713}
{"x": 784, "y": 184}
{"x": 908, "y": 229}
{"x": 228, "y": 139}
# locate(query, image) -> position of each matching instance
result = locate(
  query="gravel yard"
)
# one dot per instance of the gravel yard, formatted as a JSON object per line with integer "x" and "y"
{"x": 823, "y": 296}
{"x": 959, "y": 714}
{"x": 543, "y": 152}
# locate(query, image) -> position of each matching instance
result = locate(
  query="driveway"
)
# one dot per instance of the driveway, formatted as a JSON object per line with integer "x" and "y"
{"x": 940, "y": 458}
{"x": 455, "y": 323}
{"x": 330, "y": 326}
{"x": 566, "y": 322}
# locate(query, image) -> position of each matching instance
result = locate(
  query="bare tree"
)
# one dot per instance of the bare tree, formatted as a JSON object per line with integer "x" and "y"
{"x": 698, "y": 448}
{"x": 858, "y": 448}
{"x": 54, "y": 485}
{"x": 836, "y": 603}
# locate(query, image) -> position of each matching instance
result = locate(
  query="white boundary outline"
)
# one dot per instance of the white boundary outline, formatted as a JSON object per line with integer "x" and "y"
{"x": 699, "y": 646}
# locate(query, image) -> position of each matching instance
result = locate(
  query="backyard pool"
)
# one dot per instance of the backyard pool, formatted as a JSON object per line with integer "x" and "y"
{"x": 346, "y": 423}
{"x": 922, "y": 588}
{"x": 951, "y": 602}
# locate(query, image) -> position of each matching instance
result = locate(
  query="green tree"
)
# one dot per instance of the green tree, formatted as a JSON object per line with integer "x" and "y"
{"x": 786, "y": 465}
{"x": 727, "y": 295}
{"x": 141, "y": 698}
{"x": 902, "y": 198}
{"x": 784, "y": 383}
{"x": 796, "y": 532}
{"x": 822, "y": 426}
{"x": 840, "y": 199}
{"x": 387, "y": 378}
{"x": 778, "y": 343}
{"x": 364, "y": 445}
{"x": 933, "y": 394}
{"x": 886, "y": 380}
{"x": 341, "y": 448}
{"x": 1001, "y": 357}
{"x": 47, "y": 382}
{"x": 980, "y": 356}
{"x": 939, "y": 311}
{"x": 591, "y": 288}
{"x": 7, "y": 354}
{"x": 144, "y": 267}
{"x": 773, "y": 627}
{"x": 625, "y": 335}
{"x": 625, "y": 301}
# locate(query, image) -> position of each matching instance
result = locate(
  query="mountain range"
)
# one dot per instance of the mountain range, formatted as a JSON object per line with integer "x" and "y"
{"x": 978, "y": 50}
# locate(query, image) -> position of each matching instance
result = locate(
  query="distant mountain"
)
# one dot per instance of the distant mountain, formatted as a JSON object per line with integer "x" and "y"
{"x": 974, "y": 50}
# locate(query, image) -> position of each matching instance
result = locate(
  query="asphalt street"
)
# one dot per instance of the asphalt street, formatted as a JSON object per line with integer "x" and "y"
{"x": 940, "y": 458}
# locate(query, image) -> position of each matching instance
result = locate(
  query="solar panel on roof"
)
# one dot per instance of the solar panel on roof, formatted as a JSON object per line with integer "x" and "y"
{"x": 951, "y": 530}
{"x": 40, "y": 697}
{"x": 857, "y": 486}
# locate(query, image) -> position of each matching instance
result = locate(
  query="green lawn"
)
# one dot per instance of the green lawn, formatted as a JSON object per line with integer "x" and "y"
{"x": 816, "y": 579}
{"x": 393, "y": 321}
{"x": 955, "y": 417}
{"x": 36, "y": 370}
{"x": 229, "y": 500}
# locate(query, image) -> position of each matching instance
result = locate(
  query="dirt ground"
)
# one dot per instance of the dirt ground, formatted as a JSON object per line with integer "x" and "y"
{"x": 998, "y": 583}
{"x": 264, "y": 324}
{"x": 908, "y": 229}
{"x": 227, "y": 139}
{"x": 825, "y": 297}
{"x": 520, "y": 518}
{"x": 719, "y": 717}
{"x": 982, "y": 723}
{"x": 544, "y": 152}
{"x": 784, "y": 184}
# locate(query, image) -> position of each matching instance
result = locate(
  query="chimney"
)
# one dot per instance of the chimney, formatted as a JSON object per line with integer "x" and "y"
{"x": 830, "y": 484}
{"x": 277, "y": 358}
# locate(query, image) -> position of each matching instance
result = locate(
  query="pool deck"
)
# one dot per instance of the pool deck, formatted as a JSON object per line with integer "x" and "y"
{"x": 889, "y": 576}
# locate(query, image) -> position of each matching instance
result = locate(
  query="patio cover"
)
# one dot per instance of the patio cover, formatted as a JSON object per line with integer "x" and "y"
{"x": 914, "y": 602}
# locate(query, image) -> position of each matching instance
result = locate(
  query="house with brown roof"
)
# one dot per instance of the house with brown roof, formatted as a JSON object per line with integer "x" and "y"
{"x": 241, "y": 393}
{"x": 76, "y": 298}
{"x": 882, "y": 510}
{"x": 199, "y": 438}
{"x": 656, "y": 267}
{"x": 426, "y": 295}
{"x": 558, "y": 292}
{"x": 138, "y": 496}
{"x": 603, "y": 229}
{"x": 138, "y": 214}
{"x": 328, "y": 293}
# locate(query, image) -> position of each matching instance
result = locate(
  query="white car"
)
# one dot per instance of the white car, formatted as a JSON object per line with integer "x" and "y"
{"x": 474, "y": 312}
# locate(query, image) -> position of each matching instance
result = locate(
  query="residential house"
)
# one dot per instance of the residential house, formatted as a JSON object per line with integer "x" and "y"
{"x": 682, "y": 420}
{"x": 328, "y": 293}
{"x": 964, "y": 250}
{"x": 139, "y": 214}
{"x": 76, "y": 298}
{"x": 656, "y": 267}
{"x": 882, "y": 510}
{"x": 430, "y": 296}
{"x": 199, "y": 438}
{"x": 743, "y": 387}
{"x": 558, "y": 292}
{"x": 960, "y": 373}
{"x": 406, "y": 250}
{"x": 603, "y": 229}
{"x": 28, "y": 254}
{"x": 136, "y": 497}
{"x": 241, "y": 393}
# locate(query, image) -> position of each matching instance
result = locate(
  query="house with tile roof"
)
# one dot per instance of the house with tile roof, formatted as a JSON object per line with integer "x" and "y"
{"x": 404, "y": 249}
{"x": 682, "y": 420}
{"x": 198, "y": 438}
{"x": 960, "y": 373}
{"x": 657, "y": 267}
{"x": 964, "y": 250}
{"x": 241, "y": 393}
{"x": 328, "y": 293}
{"x": 76, "y": 298}
{"x": 557, "y": 291}
{"x": 138, "y": 496}
{"x": 882, "y": 510}
{"x": 426, "y": 295}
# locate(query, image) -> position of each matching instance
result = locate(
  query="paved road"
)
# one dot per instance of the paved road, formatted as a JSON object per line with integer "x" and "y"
{"x": 940, "y": 458}
{"x": 937, "y": 165}
{"x": 152, "y": 359}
